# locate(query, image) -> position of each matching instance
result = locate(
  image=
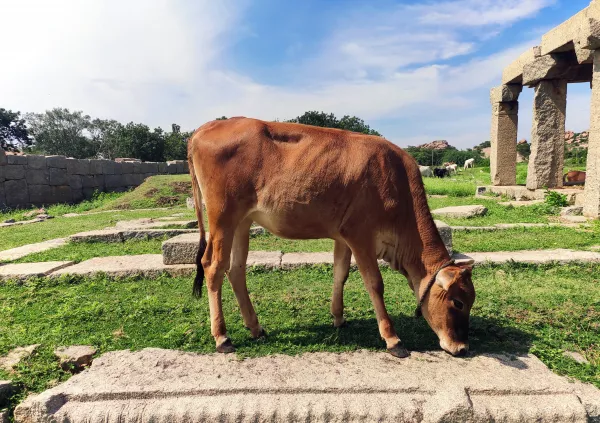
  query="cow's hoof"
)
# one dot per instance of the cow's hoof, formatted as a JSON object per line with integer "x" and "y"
{"x": 262, "y": 334}
{"x": 339, "y": 323}
{"x": 399, "y": 351}
{"x": 226, "y": 347}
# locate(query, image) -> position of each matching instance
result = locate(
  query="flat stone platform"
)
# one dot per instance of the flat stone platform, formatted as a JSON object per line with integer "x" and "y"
{"x": 156, "y": 385}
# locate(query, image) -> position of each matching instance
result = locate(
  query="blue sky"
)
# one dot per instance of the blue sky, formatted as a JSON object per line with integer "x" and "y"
{"x": 414, "y": 70}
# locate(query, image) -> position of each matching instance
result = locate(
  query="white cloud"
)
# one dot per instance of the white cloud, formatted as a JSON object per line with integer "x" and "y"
{"x": 161, "y": 62}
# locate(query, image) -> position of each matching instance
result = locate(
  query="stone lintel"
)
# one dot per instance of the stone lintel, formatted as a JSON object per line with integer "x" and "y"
{"x": 504, "y": 93}
{"x": 551, "y": 66}
{"x": 558, "y": 39}
{"x": 513, "y": 73}
{"x": 589, "y": 36}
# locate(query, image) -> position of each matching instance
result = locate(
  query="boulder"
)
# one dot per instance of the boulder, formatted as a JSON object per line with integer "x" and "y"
{"x": 75, "y": 358}
{"x": 458, "y": 212}
{"x": 14, "y": 357}
{"x": 572, "y": 211}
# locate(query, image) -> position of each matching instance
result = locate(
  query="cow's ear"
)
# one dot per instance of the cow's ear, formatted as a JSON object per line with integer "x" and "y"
{"x": 445, "y": 277}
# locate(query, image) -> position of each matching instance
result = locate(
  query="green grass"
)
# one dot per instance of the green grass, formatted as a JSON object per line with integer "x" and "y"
{"x": 544, "y": 310}
{"x": 16, "y": 236}
{"x": 97, "y": 201}
{"x": 463, "y": 184}
{"x": 156, "y": 191}
{"x": 497, "y": 213}
{"x": 524, "y": 239}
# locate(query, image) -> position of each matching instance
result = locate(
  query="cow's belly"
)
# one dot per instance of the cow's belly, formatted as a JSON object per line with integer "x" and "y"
{"x": 293, "y": 226}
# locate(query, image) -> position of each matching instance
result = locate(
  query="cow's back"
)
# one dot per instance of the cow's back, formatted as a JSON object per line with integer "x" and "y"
{"x": 301, "y": 181}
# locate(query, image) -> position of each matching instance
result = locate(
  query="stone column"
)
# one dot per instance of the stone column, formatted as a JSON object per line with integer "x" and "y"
{"x": 591, "y": 205}
{"x": 505, "y": 122}
{"x": 546, "y": 161}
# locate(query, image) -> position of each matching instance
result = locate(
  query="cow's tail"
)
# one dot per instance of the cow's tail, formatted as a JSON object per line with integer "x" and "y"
{"x": 199, "y": 280}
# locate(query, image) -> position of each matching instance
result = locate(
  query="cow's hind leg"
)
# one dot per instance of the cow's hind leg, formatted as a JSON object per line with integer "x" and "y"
{"x": 237, "y": 277}
{"x": 215, "y": 261}
{"x": 341, "y": 268}
{"x": 366, "y": 259}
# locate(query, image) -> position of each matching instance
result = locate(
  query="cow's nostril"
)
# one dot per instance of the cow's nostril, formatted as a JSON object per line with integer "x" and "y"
{"x": 462, "y": 352}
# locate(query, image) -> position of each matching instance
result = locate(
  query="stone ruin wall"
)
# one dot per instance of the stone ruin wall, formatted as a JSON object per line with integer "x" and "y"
{"x": 42, "y": 180}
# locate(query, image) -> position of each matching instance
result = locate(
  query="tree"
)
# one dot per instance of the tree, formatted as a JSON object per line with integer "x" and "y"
{"x": 139, "y": 142}
{"x": 350, "y": 123}
{"x": 105, "y": 138}
{"x": 524, "y": 149}
{"x": 60, "y": 131}
{"x": 222, "y": 118}
{"x": 176, "y": 143}
{"x": 13, "y": 132}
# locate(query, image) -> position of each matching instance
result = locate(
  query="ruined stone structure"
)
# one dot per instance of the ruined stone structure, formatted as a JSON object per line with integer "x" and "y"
{"x": 44, "y": 180}
{"x": 569, "y": 53}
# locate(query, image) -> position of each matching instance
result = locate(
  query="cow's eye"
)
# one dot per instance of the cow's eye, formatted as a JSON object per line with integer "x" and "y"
{"x": 459, "y": 305}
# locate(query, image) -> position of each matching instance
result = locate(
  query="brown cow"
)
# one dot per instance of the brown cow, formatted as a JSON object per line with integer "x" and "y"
{"x": 305, "y": 182}
{"x": 574, "y": 177}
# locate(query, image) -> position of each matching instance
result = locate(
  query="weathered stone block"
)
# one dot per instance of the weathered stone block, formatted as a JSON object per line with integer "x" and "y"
{"x": 61, "y": 194}
{"x": 552, "y": 66}
{"x": 3, "y": 160}
{"x": 2, "y": 173}
{"x": 77, "y": 195}
{"x": 2, "y": 196}
{"x": 162, "y": 168}
{"x": 40, "y": 194}
{"x": 92, "y": 181}
{"x": 114, "y": 181}
{"x": 58, "y": 176}
{"x": 16, "y": 192}
{"x": 75, "y": 182}
{"x": 88, "y": 193}
{"x": 78, "y": 166}
{"x": 150, "y": 167}
{"x": 56, "y": 161}
{"x": 503, "y": 158}
{"x": 513, "y": 73}
{"x": 548, "y": 135}
{"x": 36, "y": 162}
{"x": 505, "y": 93}
{"x": 591, "y": 202}
{"x": 14, "y": 171}
{"x": 137, "y": 168}
{"x": 130, "y": 180}
{"x": 37, "y": 177}
{"x": 171, "y": 168}
{"x": 16, "y": 160}
{"x": 108, "y": 167}
{"x": 127, "y": 167}
{"x": 96, "y": 167}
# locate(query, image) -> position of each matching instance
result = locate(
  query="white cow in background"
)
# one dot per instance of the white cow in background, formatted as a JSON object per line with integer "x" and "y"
{"x": 426, "y": 171}
{"x": 469, "y": 163}
{"x": 452, "y": 168}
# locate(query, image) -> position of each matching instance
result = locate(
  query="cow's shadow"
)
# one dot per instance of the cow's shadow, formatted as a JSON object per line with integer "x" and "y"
{"x": 487, "y": 336}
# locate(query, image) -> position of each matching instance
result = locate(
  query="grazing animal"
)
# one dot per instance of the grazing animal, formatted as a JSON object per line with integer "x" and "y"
{"x": 306, "y": 182}
{"x": 426, "y": 171}
{"x": 452, "y": 168}
{"x": 440, "y": 172}
{"x": 469, "y": 163}
{"x": 574, "y": 177}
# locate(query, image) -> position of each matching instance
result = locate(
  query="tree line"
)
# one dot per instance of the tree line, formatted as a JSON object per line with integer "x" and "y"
{"x": 74, "y": 134}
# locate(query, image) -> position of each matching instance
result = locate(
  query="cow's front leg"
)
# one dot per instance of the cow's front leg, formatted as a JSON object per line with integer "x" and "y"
{"x": 369, "y": 271}
{"x": 341, "y": 268}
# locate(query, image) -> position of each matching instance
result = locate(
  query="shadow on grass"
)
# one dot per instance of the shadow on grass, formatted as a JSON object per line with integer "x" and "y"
{"x": 487, "y": 336}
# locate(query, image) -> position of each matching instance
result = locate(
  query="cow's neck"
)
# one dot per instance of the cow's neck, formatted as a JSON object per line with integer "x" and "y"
{"x": 419, "y": 265}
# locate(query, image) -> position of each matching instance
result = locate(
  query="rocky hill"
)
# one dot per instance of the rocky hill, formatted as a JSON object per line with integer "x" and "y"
{"x": 435, "y": 145}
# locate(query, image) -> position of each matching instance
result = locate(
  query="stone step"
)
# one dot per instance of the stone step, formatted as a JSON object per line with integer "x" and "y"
{"x": 183, "y": 249}
{"x": 25, "y": 250}
{"x": 173, "y": 386}
{"x": 117, "y": 235}
{"x": 23, "y": 271}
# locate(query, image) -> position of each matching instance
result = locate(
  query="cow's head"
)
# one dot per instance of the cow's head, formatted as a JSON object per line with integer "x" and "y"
{"x": 447, "y": 307}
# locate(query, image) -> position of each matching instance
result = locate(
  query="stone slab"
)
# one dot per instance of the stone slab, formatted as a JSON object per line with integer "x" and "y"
{"x": 113, "y": 235}
{"x": 154, "y": 223}
{"x": 533, "y": 256}
{"x": 31, "y": 270}
{"x": 17, "y": 253}
{"x": 75, "y": 357}
{"x": 513, "y": 73}
{"x": 100, "y": 235}
{"x": 524, "y": 203}
{"x": 172, "y": 386}
{"x": 521, "y": 193}
{"x": 146, "y": 265}
{"x": 461, "y": 211}
{"x": 295, "y": 260}
{"x": 14, "y": 356}
{"x": 559, "y": 38}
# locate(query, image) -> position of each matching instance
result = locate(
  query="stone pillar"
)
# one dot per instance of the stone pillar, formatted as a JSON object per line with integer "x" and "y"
{"x": 505, "y": 122}
{"x": 546, "y": 161}
{"x": 591, "y": 205}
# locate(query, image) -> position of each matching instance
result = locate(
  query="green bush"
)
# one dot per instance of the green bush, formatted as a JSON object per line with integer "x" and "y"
{"x": 555, "y": 199}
